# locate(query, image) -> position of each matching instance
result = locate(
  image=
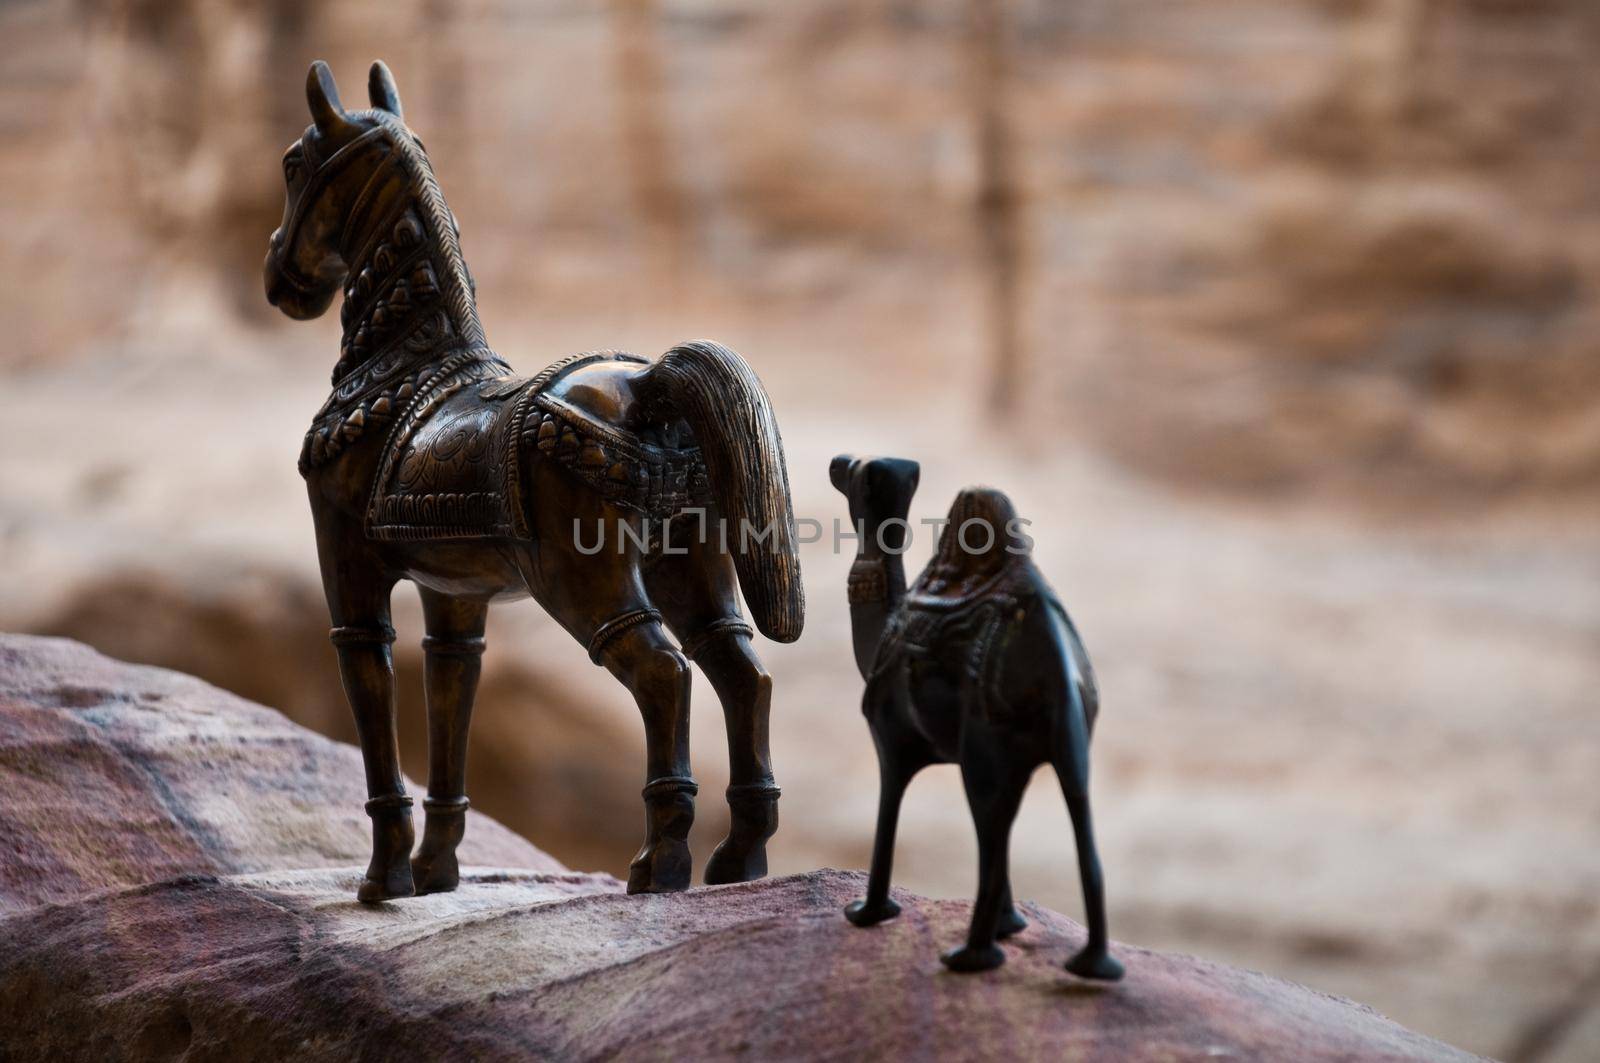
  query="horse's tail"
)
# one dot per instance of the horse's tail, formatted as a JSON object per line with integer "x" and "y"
{"x": 717, "y": 393}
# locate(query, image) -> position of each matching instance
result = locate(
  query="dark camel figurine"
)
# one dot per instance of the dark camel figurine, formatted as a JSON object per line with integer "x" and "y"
{"x": 432, "y": 462}
{"x": 977, "y": 664}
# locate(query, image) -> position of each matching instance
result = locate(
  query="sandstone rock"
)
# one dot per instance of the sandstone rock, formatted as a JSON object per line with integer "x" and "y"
{"x": 520, "y": 965}
{"x": 115, "y": 775}
{"x": 567, "y": 775}
{"x": 176, "y": 879}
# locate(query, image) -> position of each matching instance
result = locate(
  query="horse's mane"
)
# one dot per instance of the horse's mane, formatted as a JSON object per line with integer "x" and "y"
{"x": 456, "y": 285}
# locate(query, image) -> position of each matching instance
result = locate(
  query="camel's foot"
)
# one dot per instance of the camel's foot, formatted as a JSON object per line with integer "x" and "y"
{"x": 389, "y": 874}
{"x": 664, "y": 864}
{"x": 742, "y": 856}
{"x": 434, "y": 868}
{"x": 1011, "y": 922}
{"x": 970, "y": 958}
{"x": 1095, "y": 963}
{"x": 865, "y": 913}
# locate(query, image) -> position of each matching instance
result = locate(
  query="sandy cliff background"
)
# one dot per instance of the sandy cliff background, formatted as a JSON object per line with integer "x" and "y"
{"x": 1277, "y": 317}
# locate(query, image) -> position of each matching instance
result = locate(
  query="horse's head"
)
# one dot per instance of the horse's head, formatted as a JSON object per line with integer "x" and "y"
{"x": 326, "y": 172}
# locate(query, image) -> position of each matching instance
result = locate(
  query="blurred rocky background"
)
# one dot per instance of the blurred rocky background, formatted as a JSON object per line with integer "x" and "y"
{"x": 1277, "y": 317}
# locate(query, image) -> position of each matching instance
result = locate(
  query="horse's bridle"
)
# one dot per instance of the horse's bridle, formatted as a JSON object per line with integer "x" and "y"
{"x": 320, "y": 176}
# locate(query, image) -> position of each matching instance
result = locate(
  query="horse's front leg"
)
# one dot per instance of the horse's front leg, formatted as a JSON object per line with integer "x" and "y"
{"x": 359, "y": 604}
{"x": 452, "y": 654}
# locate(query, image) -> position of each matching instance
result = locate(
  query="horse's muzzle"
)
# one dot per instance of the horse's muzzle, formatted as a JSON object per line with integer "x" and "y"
{"x": 289, "y": 297}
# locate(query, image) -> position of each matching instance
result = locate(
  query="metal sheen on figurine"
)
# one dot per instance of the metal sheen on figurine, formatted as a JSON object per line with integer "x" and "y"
{"x": 431, "y": 461}
{"x": 977, "y": 664}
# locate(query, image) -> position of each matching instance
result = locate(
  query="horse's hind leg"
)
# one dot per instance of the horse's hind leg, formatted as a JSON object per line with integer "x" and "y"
{"x": 602, "y": 602}
{"x": 698, "y": 593}
{"x": 745, "y": 690}
{"x": 453, "y": 650}
{"x": 650, "y": 666}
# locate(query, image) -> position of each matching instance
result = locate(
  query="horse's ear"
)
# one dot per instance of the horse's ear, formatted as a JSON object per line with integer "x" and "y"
{"x": 381, "y": 89}
{"x": 322, "y": 95}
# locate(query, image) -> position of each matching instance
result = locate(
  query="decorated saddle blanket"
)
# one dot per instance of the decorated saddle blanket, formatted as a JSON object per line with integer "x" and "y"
{"x": 454, "y": 463}
{"x": 960, "y": 631}
{"x": 965, "y": 634}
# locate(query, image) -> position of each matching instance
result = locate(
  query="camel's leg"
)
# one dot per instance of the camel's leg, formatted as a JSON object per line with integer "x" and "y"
{"x": 893, "y": 778}
{"x": 359, "y": 603}
{"x": 657, "y": 675}
{"x": 900, "y": 757}
{"x": 994, "y": 775}
{"x": 1011, "y": 920}
{"x": 699, "y": 596}
{"x": 453, "y": 650}
{"x": 1072, "y": 766}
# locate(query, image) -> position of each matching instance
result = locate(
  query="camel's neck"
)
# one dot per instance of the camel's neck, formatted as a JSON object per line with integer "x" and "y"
{"x": 408, "y": 292}
{"x": 877, "y": 586}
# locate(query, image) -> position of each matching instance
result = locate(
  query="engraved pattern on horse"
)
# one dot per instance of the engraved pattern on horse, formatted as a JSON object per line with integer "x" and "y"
{"x": 448, "y": 479}
{"x": 453, "y": 466}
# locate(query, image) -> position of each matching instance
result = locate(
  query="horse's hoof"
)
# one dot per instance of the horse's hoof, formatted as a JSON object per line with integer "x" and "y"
{"x": 662, "y": 868}
{"x": 1097, "y": 964}
{"x": 389, "y": 872}
{"x": 1011, "y": 922}
{"x": 969, "y": 958}
{"x": 434, "y": 867}
{"x": 435, "y": 874}
{"x": 742, "y": 856}
{"x": 396, "y": 884}
{"x": 860, "y": 913}
{"x": 729, "y": 864}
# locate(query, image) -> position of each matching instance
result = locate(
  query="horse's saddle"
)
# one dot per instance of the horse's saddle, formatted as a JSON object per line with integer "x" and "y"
{"x": 453, "y": 465}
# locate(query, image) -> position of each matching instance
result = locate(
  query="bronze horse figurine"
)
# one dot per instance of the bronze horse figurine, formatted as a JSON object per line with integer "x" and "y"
{"x": 977, "y": 664}
{"x": 432, "y": 462}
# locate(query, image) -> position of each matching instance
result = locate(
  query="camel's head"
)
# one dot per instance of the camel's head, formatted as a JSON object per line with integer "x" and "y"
{"x": 879, "y": 489}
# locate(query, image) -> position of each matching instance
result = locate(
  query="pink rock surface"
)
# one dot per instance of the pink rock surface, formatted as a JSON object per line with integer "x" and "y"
{"x": 178, "y": 868}
{"x": 115, "y": 775}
